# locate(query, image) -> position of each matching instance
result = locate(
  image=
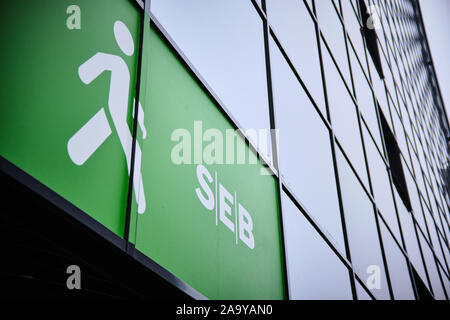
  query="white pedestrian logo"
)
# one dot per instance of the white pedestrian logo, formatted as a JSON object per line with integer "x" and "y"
{"x": 92, "y": 135}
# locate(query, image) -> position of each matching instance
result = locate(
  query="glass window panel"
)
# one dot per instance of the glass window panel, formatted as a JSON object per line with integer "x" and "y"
{"x": 446, "y": 250}
{"x": 409, "y": 234}
{"x": 361, "y": 228}
{"x": 418, "y": 173}
{"x": 399, "y": 132}
{"x": 396, "y": 73}
{"x": 434, "y": 236}
{"x": 446, "y": 281}
{"x": 332, "y": 29}
{"x": 436, "y": 283}
{"x": 305, "y": 163}
{"x": 398, "y": 267}
{"x": 361, "y": 292}
{"x": 380, "y": 92}
{"x": 353, "y": 27}
{"x": 314, "y": 270}
{"x": 401, "y": 69}
{"x": 344, "y": 118}
{"x": 440, "y": 218}
{"x": 381, "y": 186}
{"x": 380, "y": 33}
{"x": 365, "y": 100}
{"x": 428, "y": 174}
{"x": 422, "y": 151}
{"x": 435, "y": 186}
{"x": 295, "y": 30}
{"x": 445, "y": 215}
{"x": 415, "y": 201}
{"x": 435, "y": 211}
{"x": 405, "y": 119}
{"x": 387, "y": 74}
{"x": 211, "y": 33}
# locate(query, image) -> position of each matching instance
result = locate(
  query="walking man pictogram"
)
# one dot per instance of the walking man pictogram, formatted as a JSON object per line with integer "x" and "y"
{"x": 92, "y": 135}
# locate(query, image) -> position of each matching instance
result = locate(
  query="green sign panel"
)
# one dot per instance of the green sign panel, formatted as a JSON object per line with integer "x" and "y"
{"x": 215, "y": 226}
{"x": 55, "y": 80}
{"x": 204, "y": 207}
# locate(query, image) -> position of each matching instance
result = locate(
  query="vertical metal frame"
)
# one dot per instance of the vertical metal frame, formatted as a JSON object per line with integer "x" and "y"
{"x": 274, "y": 140}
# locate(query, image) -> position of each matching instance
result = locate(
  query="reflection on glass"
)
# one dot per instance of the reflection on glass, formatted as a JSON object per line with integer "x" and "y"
{"x": 344, "y": 117}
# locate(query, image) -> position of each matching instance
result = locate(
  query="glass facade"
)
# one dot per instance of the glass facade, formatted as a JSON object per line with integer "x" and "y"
{"x": 345, "y": 219}
{"x": 355, "y": 201}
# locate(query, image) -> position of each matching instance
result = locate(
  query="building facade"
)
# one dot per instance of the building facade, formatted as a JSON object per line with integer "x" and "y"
{"x": 291, "y": 149}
